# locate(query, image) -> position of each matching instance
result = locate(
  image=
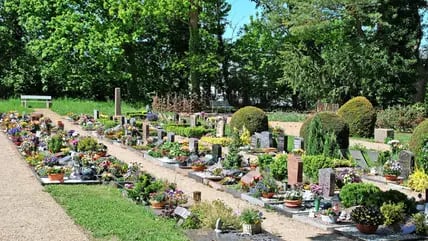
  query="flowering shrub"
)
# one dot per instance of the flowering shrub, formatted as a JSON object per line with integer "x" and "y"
{"x": 347, "y": 175}
{"x": 316, "y": 190}
{"x": 392, "y": 167}
{"x": 50, "y": 161}
{"x": 14, "y": 131}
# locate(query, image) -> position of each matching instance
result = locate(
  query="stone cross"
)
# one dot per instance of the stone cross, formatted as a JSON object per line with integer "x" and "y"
{"x": 193, "y": 145}
{"x": 220, "y": 128}
{"x": 407, "y": 163}
{"x": 96, "y": 114}
{"x": 327, "y": 181}
{"x": 294, "y": 169}
{"x": 170, "y": 136}
{"x": 266, "y": 139}
{"x": 117, "y": 107}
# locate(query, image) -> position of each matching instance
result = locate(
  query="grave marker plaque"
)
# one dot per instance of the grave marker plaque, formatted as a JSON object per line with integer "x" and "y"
{"x": 373, "y": 155}
{"x": 266, "y": 139}
{"x": 216, "y": 151}
{"x": 193, "y": 145}
{"x": 96, "y": 114}
{"x": 249, "y": 178}
{"x": 170, "y": 136}
{"x": 381, "y": 134}
{"x": 407, "y": 163}
{"x": 327, "y": 181}
{"x": 193, "y": 120}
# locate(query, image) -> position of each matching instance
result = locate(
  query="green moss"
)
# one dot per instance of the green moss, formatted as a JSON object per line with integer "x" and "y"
{"x": 360, "y": 116}
{"x": 332, "y": 123}
{"x": 253, "y": 118}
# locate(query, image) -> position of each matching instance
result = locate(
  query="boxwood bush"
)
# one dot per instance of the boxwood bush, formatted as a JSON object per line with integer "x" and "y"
{"x": 360, "y": 116}
{"x": 188, "y": 131}
{"x": 253, "y": 118}
{"x": 418, "y": 137}
{"x": 330, "y": 123}
{"x": 354, "y": 194}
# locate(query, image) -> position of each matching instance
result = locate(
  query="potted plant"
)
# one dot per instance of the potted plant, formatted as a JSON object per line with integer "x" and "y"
{"x": 198, "y": 165}
{"x": 56, "y": 173}
{"x": 367, "y": 219}
{"x": 158, "y": 199}
{"x": 269, "y": 187}
{"x": 254, "y": 163}
{"x": 293, "y": 198}
{"x": 391, "y": 170}
{"x": 329, "y": 216}
{"x": 251, "y": 221}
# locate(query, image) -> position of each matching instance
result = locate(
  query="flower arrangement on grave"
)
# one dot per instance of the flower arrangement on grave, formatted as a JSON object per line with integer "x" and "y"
{"x": 298, "y": 151}
{"x": 176, "y": 197}
{"x": 50, "y": 161}
{"x": 367, "y": 218}
{"x": 316, "y": 190}
{"x": 57, "y": 170}
{"x": 328, "y": 212}
{"x": 15, "y": 131}
{"x": 345, "y": 176}
{"x": 199, "y": 163}
{"x": 392, "y": 167}
{"x": 295, "y": 194}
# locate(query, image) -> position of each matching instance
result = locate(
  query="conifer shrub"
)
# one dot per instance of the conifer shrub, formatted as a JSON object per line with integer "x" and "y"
{"x": 360, "y": 116}
{"x": 418, "y": 137}
{"x": 253, "y": 118}
{"x": 330, "y": 123}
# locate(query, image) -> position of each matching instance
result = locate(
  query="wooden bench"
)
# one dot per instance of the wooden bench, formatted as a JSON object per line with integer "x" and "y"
{"x": 36, "y": 98}
{"x": 221, "y": 105}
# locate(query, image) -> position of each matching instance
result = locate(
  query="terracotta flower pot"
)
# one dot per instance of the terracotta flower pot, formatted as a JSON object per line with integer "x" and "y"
{"x": 293, "y": 203}
{"x": 56, "y": 177}
{"x": 198, "y": 168}
{"x": 390, "y": 177}
{"x": 157, "y": 204}
{"x": 366, "y": 228}
{"x": 268, "y": 194}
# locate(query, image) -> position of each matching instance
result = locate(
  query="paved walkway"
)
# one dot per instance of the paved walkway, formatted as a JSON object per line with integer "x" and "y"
{"x": 286, "y": 228}
{"x": 26, "y": 211}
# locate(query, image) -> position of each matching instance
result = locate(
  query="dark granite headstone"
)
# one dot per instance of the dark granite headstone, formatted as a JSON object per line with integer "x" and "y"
{"x": 294, "y": 169}
{"x": 298, "y": 143}
{"x": 359, "y": 158}
{"x": 373, "y": 155}
{"x": 193, "y": 145}
{"x": 281, "y": 143}
{"x": 161, "y": 135}
{"x": 176, "y": 117}
{"x": 170, "y": 136}
{"x": 122, "y": 120}
{"x": 327, "y": 181}
{"x": 266, "y": 139}
{"x": 216, "y": 151}
{"x": 407, "y": 163}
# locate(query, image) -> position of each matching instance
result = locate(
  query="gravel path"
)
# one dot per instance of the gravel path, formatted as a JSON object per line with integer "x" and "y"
{"x": 279, "y": 225}
{"x": 26, "y": 211}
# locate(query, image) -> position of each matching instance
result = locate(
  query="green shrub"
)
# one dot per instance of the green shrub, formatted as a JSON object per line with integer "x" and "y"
{"x": 418, "y": 137}
{"x": 395, "y": 196}
{"x": 314, "y": 143}
{"x": 419, "y": 220}
{"x": 360, "y": 116}
{"x": 278, "y": 167}
{"x": 331, "y": 148}
{"x": 353, "y": 194}
{"x": 393, "y": 213}
{"x": 253, "y": 118}
{"x": 331, "y": 123}
{"x": 402, "y": 118}
{"x": 264, "y": 160}
{"x": 187, "y": 131}
{"x": 311, "y": 165}
{"x": 87, "y": 143}
{"x": 208, "y": 213}
{"x": 55, "y": 143}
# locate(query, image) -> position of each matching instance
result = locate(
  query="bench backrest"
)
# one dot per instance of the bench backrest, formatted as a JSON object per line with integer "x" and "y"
{"x": 35, "y": 97}
{"x": 220, "y": 103}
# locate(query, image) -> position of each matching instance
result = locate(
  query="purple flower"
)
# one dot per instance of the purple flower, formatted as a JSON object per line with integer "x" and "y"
{"x": 51, "y": 161}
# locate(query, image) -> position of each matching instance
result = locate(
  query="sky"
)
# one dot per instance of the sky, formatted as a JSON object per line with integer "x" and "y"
{"x": 238, "y": 16}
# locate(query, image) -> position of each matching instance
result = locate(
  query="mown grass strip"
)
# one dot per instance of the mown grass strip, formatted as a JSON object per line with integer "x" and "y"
{"x": 15, "y": 105}
{"x": 286, "y": 116}
{"x": 103, "y": 212}
{"x": 64, "y": 106}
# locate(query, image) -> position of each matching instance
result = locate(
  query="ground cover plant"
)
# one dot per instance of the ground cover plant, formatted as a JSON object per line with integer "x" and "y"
{"x": 108, "y": 216}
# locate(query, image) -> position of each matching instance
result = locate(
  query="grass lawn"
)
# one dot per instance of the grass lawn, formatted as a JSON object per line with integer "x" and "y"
{"x": 63, "y": 106}
{"x": 286, "y": 116}
{"x": 403, "y": 137}
{"x": 15, "y": 105}
{"x": 103, "y": 212}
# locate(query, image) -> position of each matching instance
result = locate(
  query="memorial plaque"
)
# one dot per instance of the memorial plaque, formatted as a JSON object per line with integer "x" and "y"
{"x": 407, "y": 163}
{"x": 216, "y": 151}
{"x": 193, "y": 145}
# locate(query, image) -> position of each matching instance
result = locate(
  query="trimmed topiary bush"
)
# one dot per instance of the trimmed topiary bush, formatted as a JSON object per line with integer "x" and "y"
{"x": 418, "y": 137}
{"x": 331, "y": 123}
{"x": 360, "y": 116}
{"x": 253, "y": 118}
{"x": 354, "y": 194}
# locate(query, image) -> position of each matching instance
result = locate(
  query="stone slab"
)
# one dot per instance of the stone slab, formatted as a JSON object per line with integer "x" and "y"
{"x": 316, "y": 222}
{"x": 288, "y": 212}
{"x": 252, "y": 200}
{"x": 380, "y": 235}
{"x": 359, "y": 158}
{"x": 373, "y": 155}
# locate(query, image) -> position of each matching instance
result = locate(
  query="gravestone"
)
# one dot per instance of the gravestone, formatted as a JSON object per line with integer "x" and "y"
{"x": 132, "y": 121}
{"x": 122, "y": 120}
{"x": 176, "y": 117}
{"x": 161, "y": 135}
{"x": 381, "y": 134}
{"x": 407, "y": 163}
{"x": 254, "y": 141}
{"x": 373, "y": 155}
{"x": 216, "y": 151}
{"x": 266, "y": 139}
{"x": 146, "y": 131}
{"x": 281, "y": 143}
{"x": 182, "y": 212}
{"x": 359, "y": 158}
{"x": 298, "y": 143}
{"x": 327, "y": 181}
{"x": 294, "y": 169}
{"x": 193, "y": 145}
{"x": 117, "y": 107}
{"x": 170, "y": 136}
{"x": 220, "y": 128}
{"x": 249, "y": 178}
{"x": 96, "y": 114}
{"x": 193, "y": 120}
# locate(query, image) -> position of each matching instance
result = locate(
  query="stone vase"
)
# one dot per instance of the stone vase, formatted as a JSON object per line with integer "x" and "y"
{"x": 251, "y": 228}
